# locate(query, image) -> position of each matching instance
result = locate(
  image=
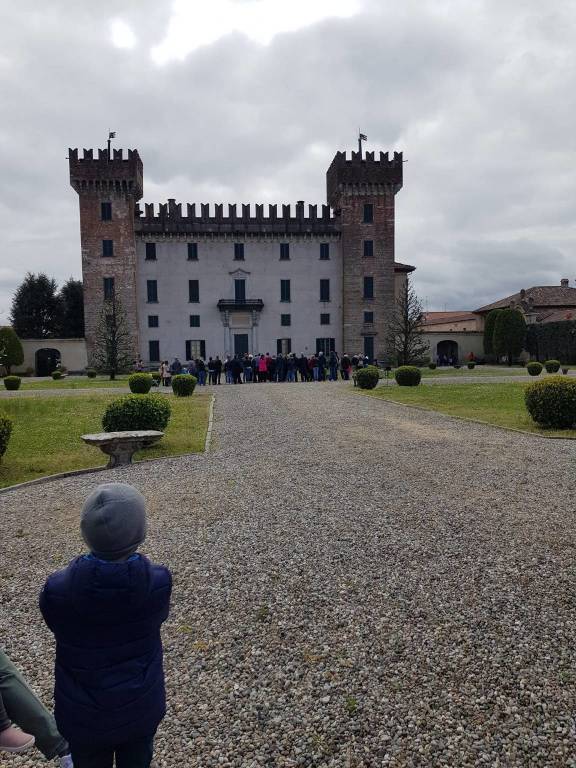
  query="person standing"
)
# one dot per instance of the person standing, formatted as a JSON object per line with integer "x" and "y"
{"x": 165, "y": 374}
{"x": 105, "y": 611}
{"x": 262, "y": 369}
{"x": 333, "y": 365}
{"x": 217, "y": 370}
{"x": 228, "y": 370}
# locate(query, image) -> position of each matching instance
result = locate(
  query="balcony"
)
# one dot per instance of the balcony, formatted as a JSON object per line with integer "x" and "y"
{"x": 240, "y": 305}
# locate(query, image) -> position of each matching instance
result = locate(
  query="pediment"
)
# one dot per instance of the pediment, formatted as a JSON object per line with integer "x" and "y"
{"x": 239, "y": 273}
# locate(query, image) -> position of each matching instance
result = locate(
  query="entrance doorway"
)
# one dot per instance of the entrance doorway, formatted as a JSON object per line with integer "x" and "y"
{"x": 240, "y": 344}
{"x": 369, "y": 348}
{"x": 447, "y": 352}
{"x": 46, "y": 361}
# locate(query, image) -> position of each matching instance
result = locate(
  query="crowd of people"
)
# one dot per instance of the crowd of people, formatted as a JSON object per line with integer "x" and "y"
{"x": 265, "y": 368}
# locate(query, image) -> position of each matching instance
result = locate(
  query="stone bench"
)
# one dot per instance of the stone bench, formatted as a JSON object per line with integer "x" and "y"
{"x": 121, "y": 446}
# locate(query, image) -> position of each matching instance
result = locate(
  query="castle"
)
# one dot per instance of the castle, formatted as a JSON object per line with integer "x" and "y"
{"x": 204, "y": 282}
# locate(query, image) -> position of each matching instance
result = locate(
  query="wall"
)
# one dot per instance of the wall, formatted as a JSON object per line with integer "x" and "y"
{"x": 72, "y": 352}
{"x": 467, "y": 342}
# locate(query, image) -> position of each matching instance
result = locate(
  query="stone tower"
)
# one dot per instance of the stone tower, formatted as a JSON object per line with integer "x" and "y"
{"x": 361, "y": 191}
{"x": 108, "y": 190}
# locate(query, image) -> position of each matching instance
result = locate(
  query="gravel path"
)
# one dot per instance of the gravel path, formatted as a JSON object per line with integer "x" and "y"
{"x": 356, "y": 584}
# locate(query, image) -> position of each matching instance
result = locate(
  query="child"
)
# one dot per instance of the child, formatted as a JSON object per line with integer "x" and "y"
{"x": 105, "y": 610}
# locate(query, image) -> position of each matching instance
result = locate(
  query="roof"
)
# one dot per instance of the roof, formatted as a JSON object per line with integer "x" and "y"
{"x": 556, "y": 316}
{"x": 399, "y": 267}
{"x": 436, "y": 318}
{"x": 541, "y": 295}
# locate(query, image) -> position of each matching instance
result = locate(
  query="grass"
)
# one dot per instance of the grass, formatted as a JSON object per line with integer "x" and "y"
{"x": 479, "y": 370}
{"x": 46, "y": 434}
{"x": 498, "y": 404}
{"x": 74, "y": 382}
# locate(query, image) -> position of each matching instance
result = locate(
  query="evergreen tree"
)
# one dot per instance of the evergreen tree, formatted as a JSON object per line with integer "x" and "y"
{"x": 72, "y": 312}
{"x": 509, "y": 333}
{"x": 113, "y": 352}
{"x": 405, "y": 341}
{"x": 35, "y": 309}
{"x": 11, "y": 352}
{"x": 489, "y": 324}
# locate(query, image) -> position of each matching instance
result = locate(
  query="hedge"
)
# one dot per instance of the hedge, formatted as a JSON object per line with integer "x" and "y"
{"x": 534, "y": 368}
{"x": 407, "y": 376}
{"x": 91, "y": 373}
{"x": 552, "y": 366}
{"x": 140, "y": 383}
{"x": 368, "y": 377}
{"x": 12, "y": 382}
{"x": 5, "y": 432}
{"x": 553, "y": 341}
{"x": 552, "y": 402}
{"x": 183, "y": 384}
{"x": 133, "y": 412}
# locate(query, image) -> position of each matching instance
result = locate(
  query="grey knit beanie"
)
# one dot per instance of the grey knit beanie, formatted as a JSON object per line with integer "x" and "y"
{"x": 114, "y": 521}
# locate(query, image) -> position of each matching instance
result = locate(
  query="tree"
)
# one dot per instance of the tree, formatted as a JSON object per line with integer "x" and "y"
{"x": 489, "y": 324}
{"x": 72, "y": 310}
{"x": 36, "y": 308}
{"x": 509, "y": 333}
{"x": 113, "y": 352}
{"x": 405, "y": 339}
{"x": 11, "y": 352}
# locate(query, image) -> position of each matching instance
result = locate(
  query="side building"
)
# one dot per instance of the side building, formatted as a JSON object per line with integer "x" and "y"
{"x": 203, "y": 281}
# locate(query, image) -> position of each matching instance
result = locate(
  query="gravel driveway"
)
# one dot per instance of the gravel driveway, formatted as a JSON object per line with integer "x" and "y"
{"x": 356, "y": 584}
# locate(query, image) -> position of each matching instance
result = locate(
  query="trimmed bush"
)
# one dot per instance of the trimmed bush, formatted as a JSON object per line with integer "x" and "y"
{"x": 12, "y": 382}
{"x": 133, "y": 412}
{"x": 11, "y": 351}
{"x": 57, "y": 374}
{"x": 552, "y": 402}
{"x": 91, "y": 373}
{"x": 367, "y": 378}
{"x": 534, "y": 368}
{"x": 140, "y": 383}
{"x": 156, "y": 378}
{"x": 183, "y": 384}
{"x": 552, "y": 366}
{"x": 471, "y": 365}
{"x": 432, "y": 366}
{"x": 5, "y": 432}
{"x": 407, "y": 376}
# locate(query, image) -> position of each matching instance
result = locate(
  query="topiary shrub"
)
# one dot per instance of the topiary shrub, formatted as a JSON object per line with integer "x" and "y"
{"x": 552, "y": 366}
{"x": 183, "y": 384}
{"x": 5, "y": 432}
{"x": 471, "y": 365}
{"x": 368, "y": 377}
{"x": 12, "y": 382}
{"x": 140, "y": 383}
{"x": 432, "y": 366}
{"x": 91, "y": 373}
{"x": 534, "y": 368}
{"x": 552, "y": 402}
{"x": 156, "y": 378}
{"x": 11, "y": 351}
{"x": 133, "y": 412}
{"x": 407, "y": 376}
{"x": 57, "y": 374}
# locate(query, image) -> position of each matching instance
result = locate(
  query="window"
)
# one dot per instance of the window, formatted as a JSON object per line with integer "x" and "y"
{"x": 106, "y": 211}
{"x": 283, "y": 346}
{"x": 368, "y": 213}
{"x": 154, "y": 351}
{"x": 193, "y": 291}
{"x": 285, "y": 319}
{"x": 324, "y": 251}
{"x": 369, "y": 347}
{"x": 238, "y": 251}
{"x": 325, "y": 345}
{"x": 152, "y": 290}
{"x": 192, "y": 251}
{"x": 368, "y": 287}
{"x": 368, "y": 249}
{"x": 325, "y": 319}
{"x": 368, "y": 318}
{"x": 194, "y": 321}
{"x": 324, "y": 290}
{"x": 107, "y": 247}
{"x": 108, "y": 288}
{"x": 195, "y": 348}
{"x": 152, "y": 321}
{"x": 150, "y": 251}
{"x": 284, "y": 290}
{"x": 284, "y": 251}
{"x": 240, "y": 291}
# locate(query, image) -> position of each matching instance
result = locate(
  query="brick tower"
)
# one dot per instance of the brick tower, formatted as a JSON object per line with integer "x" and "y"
{"x": 108, "y": 189}
{"x": 361, "y": 191}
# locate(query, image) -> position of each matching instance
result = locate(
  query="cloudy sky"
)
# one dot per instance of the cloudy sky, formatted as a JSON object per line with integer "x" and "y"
{"x": 247, "y": 101}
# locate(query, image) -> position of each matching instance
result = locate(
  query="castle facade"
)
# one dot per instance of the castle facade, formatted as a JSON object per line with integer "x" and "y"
{"x": 203, "y": 281}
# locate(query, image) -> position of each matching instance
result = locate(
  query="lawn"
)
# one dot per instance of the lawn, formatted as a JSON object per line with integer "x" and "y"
{"x": 498, "y": 404}
{"x": 46, "y": 434}
{"x": 479, "y": 370}
{"x": 74, "y": 382}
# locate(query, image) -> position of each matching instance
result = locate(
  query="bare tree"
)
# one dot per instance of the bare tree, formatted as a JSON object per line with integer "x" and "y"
{"x": 113, "y": 350}
{"x": 405, "y": 340}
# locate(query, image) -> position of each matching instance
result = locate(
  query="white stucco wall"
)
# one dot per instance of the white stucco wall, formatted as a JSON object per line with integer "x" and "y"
{"x": 467, "y": 342}
{"x": 72, "y": 352}
{"x": 216, "y": 271}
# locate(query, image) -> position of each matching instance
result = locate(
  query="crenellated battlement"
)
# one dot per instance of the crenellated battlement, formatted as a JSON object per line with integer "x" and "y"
{"x": 101, "y": 174}
{"x": 242, "y": 219}
{"x": 364, "y": 174}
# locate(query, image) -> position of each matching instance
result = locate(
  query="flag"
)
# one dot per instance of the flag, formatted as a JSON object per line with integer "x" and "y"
{"x": 112, "y": 135}
{"x": 363, "y": 137}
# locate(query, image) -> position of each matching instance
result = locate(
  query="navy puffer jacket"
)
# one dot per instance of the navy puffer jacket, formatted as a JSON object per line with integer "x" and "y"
{"x": 106, "y": 618}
